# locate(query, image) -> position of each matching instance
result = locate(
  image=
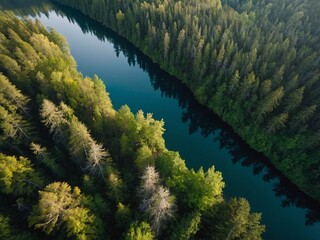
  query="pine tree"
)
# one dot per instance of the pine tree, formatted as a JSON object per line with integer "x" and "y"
{"x": 12, "y": 125}
{"x": 294, "y": 99}
{"x": 303, "y": 116}
{"x": 277, "y": 122}
{"x": 269, "y": 103}
{"x": 11, "y": 93}
{"x": 97, "y": 159}
{"x": 265, "y": 88}
{"x": 47, "y": 159}
{"x": 234, "y": 81}
{"x": 54, "y": 119}
{"x": 115, "y": 184}
{"x": 233, "y": 220}
{"x": 139, "y": 231}
{"x": 220, "y": 56}
{"x": 187, "y": 227}
{"x": 80, "y": 141}
{"x": 144, "y": 158}
{"x": 180, "y": 42}
{"x": 17, "y": 176}
{"x": 161, "y": 209}
{"x": 166, "y": 45}
{"x": 149, "y": 182}
{"x": 59, "y": 203}
{"x": 156, "y": 202}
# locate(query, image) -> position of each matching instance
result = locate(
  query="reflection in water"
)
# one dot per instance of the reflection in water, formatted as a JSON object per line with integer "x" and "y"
{"x": 198, "y": 116}
{"x": 27, "y": 7}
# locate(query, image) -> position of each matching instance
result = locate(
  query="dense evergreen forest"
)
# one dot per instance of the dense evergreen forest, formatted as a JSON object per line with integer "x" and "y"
{"x": 253, "y": 62}
{"x": 73, "y": 167}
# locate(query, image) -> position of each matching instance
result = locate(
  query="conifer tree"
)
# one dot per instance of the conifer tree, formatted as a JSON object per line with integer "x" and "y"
{"x": 54, "y": 119}
{"x": 60, "y": 204}
{"x": 17, "y": 176}
{"x": 277, "y": 122}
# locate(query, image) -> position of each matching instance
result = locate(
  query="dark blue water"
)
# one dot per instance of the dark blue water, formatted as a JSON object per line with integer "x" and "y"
{"x": 201, "y": 137}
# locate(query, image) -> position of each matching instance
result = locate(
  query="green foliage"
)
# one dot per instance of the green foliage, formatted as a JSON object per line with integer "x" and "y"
{"x": 58, "y": 204}
{"x": 144, "y": 158}
{"x": 139, "y": 231}
{"x": 150, "y": 132}
{"x": 232, "y": 220}
{"x": 128, "y": 130}
{"x": 79, "y": 142}
{"x": 120, "y": 17}
{"x": 13, "y": 125}
{"x": 303, "y": 116}
{"x": 166, "y": 45}
{"x": 115, "y": 184}
{"x": 196, "y": 190}
{"x": 123, "y": 216}
{"x": 13, "y": 105}
{"x": 277, "y": 122}
{"x": 201, "y": 190}
{"x": 47, "y": 159}
{"x": 170, "y": 164}
{"x": 78, "y": 222}
{"x": 82, "y": 147}
{"x": 17, "y": 175}
{"x": 54, "y": 119}
{"x": 5, "y": 230}
{"x": 294, "y": 99}
{"x": 269, "y": 103}
{"x": 11, "y": 97}
{"x": 188, "y": 227}
{"x": 139, "y": 131}
{"x": 9, "y": 233}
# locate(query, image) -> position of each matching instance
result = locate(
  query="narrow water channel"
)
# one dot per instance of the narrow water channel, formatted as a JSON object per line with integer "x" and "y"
{"x": 199, "y": 135}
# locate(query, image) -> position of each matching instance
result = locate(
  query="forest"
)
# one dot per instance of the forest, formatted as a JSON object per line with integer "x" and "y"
{"x": 71, "y": 166}
{"x": 253, "y": 62}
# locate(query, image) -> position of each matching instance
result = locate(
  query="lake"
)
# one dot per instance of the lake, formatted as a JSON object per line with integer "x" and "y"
{"x": 200, "y": 137}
